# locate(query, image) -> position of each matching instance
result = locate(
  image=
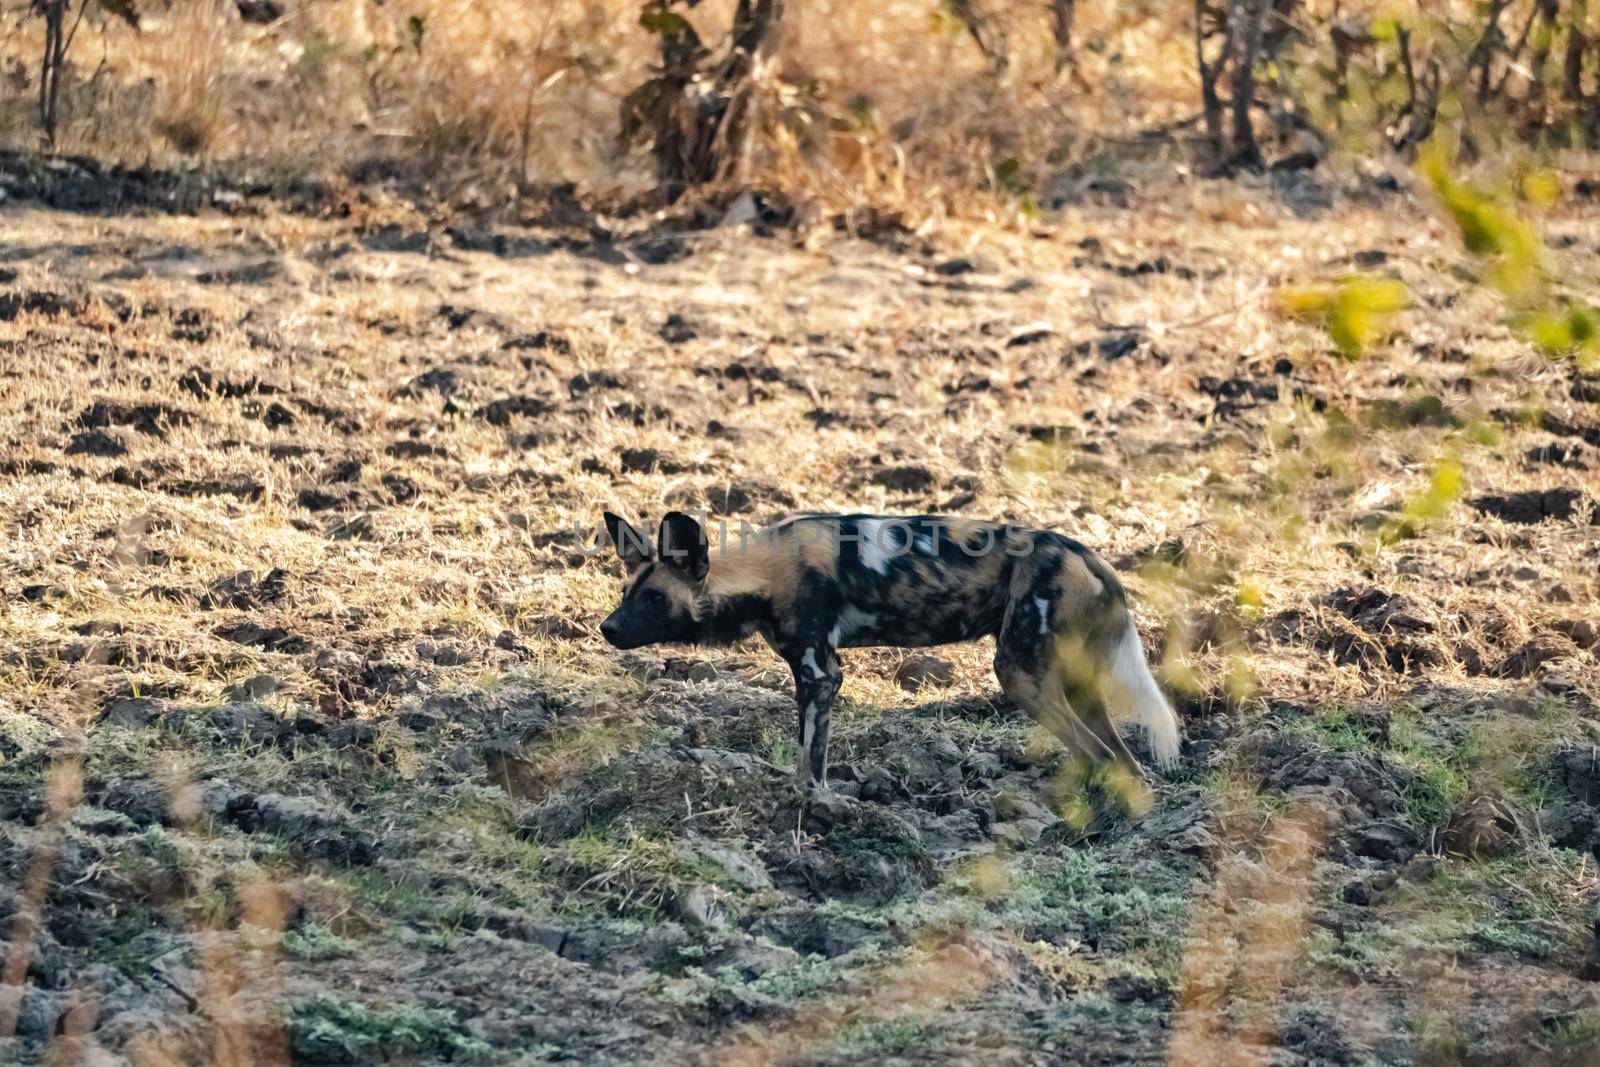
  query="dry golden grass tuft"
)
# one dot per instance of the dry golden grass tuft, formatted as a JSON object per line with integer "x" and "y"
{"x": 892, "y": 105}
{"x": 399, "y": 446}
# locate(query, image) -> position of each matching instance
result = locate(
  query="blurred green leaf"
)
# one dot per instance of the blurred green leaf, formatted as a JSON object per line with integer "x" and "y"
{"x": 1489, "y": 228}
{"x": 1570, "y": 332}
{"x": 1444, "y": 489}
{"x": 1356, "y": 311}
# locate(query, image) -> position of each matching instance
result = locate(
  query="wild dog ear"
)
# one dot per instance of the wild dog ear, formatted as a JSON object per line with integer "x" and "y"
{"x": 633, "y": 548}
{"x": 682, "y": 543}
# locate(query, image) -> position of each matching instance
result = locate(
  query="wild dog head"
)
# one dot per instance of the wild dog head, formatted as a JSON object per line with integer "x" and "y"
{"x": 662, "y": 587}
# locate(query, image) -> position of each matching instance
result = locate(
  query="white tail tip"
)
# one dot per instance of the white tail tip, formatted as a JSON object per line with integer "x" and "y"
{"x": 1135, "y": 696}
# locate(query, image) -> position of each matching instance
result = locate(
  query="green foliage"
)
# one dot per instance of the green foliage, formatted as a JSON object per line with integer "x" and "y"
{"x": 1518, "y": 266}
{"x": 313, "y": 941}
{"x": 1444, "y": 489}
{"x": 775, "y": 988}
{"x": 325, "y": 1026}
{"x": 627, "y": 872}
{"x": 1489, "y": 226}
{"x": 1571, "y": 331}
{"x": 1355, "y": 952}
{"x": 1437, "y": 768}
{"x": 1356, "y": 310}
{"x": 1573, "y": 1038}
{"x": 1006, "y": 177}
{"x": 897, "y": 1036}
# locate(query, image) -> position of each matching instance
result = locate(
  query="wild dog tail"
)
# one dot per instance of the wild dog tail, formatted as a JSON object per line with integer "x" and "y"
{"x": 1132, "y": 694}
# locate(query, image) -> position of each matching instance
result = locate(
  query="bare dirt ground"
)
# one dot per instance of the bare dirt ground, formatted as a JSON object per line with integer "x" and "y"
{"x": 309, "y": 749}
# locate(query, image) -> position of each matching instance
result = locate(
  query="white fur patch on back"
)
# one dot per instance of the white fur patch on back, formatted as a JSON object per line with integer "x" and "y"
{"x": 881, "y": 541}
{"x": 1044, "y": 613}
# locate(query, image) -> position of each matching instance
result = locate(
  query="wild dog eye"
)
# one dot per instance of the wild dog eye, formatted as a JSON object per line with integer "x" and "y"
{"x": 655, "y": 598}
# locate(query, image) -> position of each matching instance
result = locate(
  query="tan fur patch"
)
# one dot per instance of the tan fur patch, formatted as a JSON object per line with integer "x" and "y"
{"x": 769, "y": 562}
{"x": 677, "y": 589}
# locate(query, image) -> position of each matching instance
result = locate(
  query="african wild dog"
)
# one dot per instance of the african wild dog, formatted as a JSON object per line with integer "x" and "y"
{"x": 1066, "y": 648}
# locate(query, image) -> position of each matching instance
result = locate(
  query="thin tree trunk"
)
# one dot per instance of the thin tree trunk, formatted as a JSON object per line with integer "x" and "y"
{"x": 1483, "y": 52}
{"x": 1062, "y": 13}
{"x": 1245, "y": 150}
{"x": 1577, "y": 45}
{"x": 1210, "y": 104}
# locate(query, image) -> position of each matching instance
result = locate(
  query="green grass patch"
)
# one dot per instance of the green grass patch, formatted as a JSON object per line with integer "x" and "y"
{"x": 1438, "y": 768}
{"x": 326, "y": 1027}
{"x": 315, "y": 942}
{"x": 902, "y": 1035}
{"x": 625, "y": 872}
{"x": 774, "y": 989}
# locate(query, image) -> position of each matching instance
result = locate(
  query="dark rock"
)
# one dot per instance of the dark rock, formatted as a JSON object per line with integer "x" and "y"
{"x": 421, "y": 719}
{"x": 830, "y": 806}
{"x": 1391, "y": 841}
{"x": 1481, "y": 826}
{"x": 132, "y": 712}
{"x": 150, "y": 419}
{"x": 1533, "y": 505}
{"x": 457, "y": 317}
{"x": 501, "y": 412}
{"x": 542, "y": 340}
{"x": 1558, "y": 454}
{"x": 907, "y": 479}
{"x": 441, "y": 380}
{"x": 647, "y": 461}
{"x": 268, "y": 638}
{"x": 1391, "y": 630}
{"x": 1113, "y": 346}
{"x": 41, "y": 302}
{"x": 242, "y": 590}
{"x": 140, "y": 799}
{"x": 351, "y": 735}
{"x": 315, "y": 498}
{"x": 1582, "y": 632}
{"x": 959, "y": 265}
{"x": 1316, "y": 1038}
{"x": 259, "y": 12}
{"x": 96, "y": 443}
{"x": 1589, "y": 969}
{"x": 677, "y": 330}
{"x": 388, "y": 679}
{"x": 920, "y": 670}
{"x": 579, "y": 384}
{"x": 402, "y": 490}
{"x": 406, "y": 448}
{"x": 253, "y": 688}
{"x": 249, "y": 721}
{"x": 444, "y": 653}
{"x": 357, "y": 527}
{"x": 1528, "y": 657}
{"x": 741, "y": 496}
{"x": 1577, "y": 772}
{"x": 317, "y": 828}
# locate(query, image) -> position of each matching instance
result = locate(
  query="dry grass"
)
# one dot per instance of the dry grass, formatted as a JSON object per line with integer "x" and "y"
{"x": 1268, "y": 510}
{"x": 825, "y": 360}
{"x": 892, "y": 104}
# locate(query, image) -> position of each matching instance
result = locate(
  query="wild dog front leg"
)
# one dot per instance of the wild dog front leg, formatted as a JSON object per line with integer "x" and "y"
{"x": 817, "y": 674}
